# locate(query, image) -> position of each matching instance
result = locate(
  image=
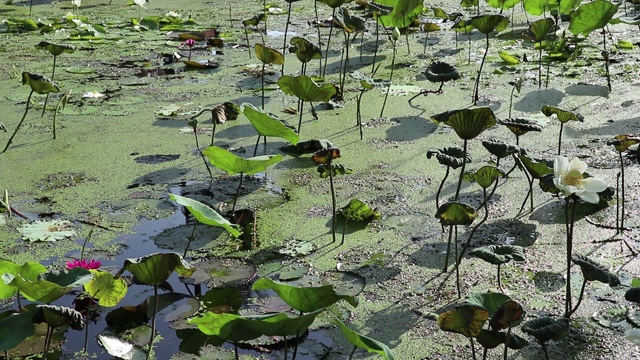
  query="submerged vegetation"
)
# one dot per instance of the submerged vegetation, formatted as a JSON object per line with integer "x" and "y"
{"x": 239, "y": 258}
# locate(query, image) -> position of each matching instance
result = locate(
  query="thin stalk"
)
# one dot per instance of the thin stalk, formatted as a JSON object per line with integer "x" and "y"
{"x": 359, "y": 112}
{"x": 53, "y": 72}
{"x": 618, "y": 226}
{"x": 544, "y": 348}
{"x": 246, "y": 36}
{"x": 606, "y": 67}
{"x": 457, "y": 267}
{"x": 464, "y": 164}
{"x": 195, "y": 133}
{"x": 473, "y": 348}
{"x": 540, "y": 67}
{"x": 286, "y": 347}
{"x": 499, "y": 281}
{"x": 584, "y": 284}
{"x": 255, "y": 150}
{"x": 284, "y": 44}
{"x": 84, "y": 244}
{"x": 477, "y": 87}
{"x": 191, "y": 238}
{"x": 315, "y": 4}
{"x": 213, "y": 131}
{"x": 375, "y": 50}
{"x": 153, "y": 321}
{"x": 621, "y": 192}
{"x": 344, "y": 230}
{"x": 393, "y": 61}
{"x": 350, "y": 355}
{"x": 47, "y": 341}
{"x": 506, "y": 343}
{"x": 19, "y": 124}
{"x": 235, "y": 199}
{"x": 18, "y": 301}
{"x": 446, "y": 259}
{"x": 446, "y": 175}
{"x": 569, "y": 223}
{"x": 560, "y": 137}
{"x": 300, "y": 121}
{"x": 333, "y": 205}
{"x": 530, "y": 181}
{"x": 475, "y": 228}
{"x": 235, "y": 348}
{"x": 262, "y": 78}
{"x": 495, "y": 186}
{"x": 326, "y": 53}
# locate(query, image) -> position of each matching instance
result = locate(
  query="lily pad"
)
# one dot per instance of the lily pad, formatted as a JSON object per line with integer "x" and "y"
{"x": 53, "y": 230}
{"x": 221, "y": 272}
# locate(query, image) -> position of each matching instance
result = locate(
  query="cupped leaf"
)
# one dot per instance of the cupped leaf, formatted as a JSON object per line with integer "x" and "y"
{"x": 490, "y": 339}
{"x": 403, "y": 13}
{"x": 503, "y": 4}
{"x": 205, "y": 215}
{"x": 539, "y": 29}
{"x": 105, "y": 287}
{"x": 537, "y": 168}
{"x": 537, "y": 7}
{"x": 546, "y": 328}
{"x": 57, "y": 316}
{"x": 357, "y": 210}
{"x": 305, "y": 299}
{"x": 499, "y": 148}
{"x": 334, "y": 169}
{"x": 233, "y": 164}
{"x": 467, "y": 123}
{"x": 463, "y": 26}
{"x": 508, "y": 314}
{"x": 490, "y": 301}
{"x": 488, "y": 23}
{"x": 15, "y": 328}
{"x": 39, "y": 83}
{"x": 55, "y": 49}
{"x": 485, "y": 176}
{"x": 155, "y": 269}
{"x": 306, "y": 89}
{"x": 441, "y": 14}
{"x": 594, "y": 271}
{"x": 499, "y": 254}
{"x": 592, "y": 16}
{"x": 465, "y": 319}
{"x": 440, "y": 71}
{"x": 562, "y": 115}
{"x": 364, "y": 342}
{"x": 450, "y": 156}
{"x": 51, "y": 286}
{"x": 350, "y": 23}
{"x": 29, "y": 271}
{"x": 268, "y": 55}
{"x": 267, "y": 125}
{"x": 305, "y": 50}
{"x": 521, "y": 126}
{"x": 255, "y": 20}
{"x": 623, "y": 142}
{"x": 456, "y": 213}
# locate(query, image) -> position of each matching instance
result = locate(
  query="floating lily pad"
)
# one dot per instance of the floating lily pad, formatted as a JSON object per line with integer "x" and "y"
{"x": 297, "y": 248}
{"x": 78, "y": 70}
{"x": 53, "y": 230}
{"x": 221, "y": 272}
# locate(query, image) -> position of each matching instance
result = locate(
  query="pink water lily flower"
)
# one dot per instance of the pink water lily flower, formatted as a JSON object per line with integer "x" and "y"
{"x": 189, "y": 43}
{"x": 569, "y": 178}
{"x": 89, "y": 265}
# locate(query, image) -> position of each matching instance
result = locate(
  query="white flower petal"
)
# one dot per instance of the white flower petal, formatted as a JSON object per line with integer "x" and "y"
{"x": 589, "y": 197}
{"x": 594, "y": 185}
{"x": 578, "y": 165}
{"x": 560, "y": 166}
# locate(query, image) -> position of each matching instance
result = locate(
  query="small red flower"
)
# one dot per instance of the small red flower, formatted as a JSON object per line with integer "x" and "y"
{"x": 89, "y": 265}
{"x": 189, "y": 43}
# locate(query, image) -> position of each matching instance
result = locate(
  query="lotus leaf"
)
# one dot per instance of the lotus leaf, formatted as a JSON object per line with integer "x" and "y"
{"x": 510, "y": 313}
{"x": 205, "y": 215}
{"x": 490, "y": 301}
{"x": 440, "y": 71}
{"x": 562, "y": 115}
{"x": 456, "y": 213}
{"x": 592, "y": 16}
{"x": 29, "y": 271}
{"x": 268, "y": 55}
{"x": 485, "y": 176}
{"x": 350, "y": 23}
{"x": 467, "y": 123}
{"x": 357, "y": 210}
{"x": 155, "y": 269}
{"x": 539, "y": 29}
{"x": 306, "y": 89}
{"x": 503, "y": 4}
{"x": 624, "y": 141}
{"x": 521, "y": 126}
{"x": 465, "y": 319}
{"x": 108, "y": 289}
{"x": 51, "y": 286}
{"x": 499, "y": 148}
{"x": 364, "y": 342}
{"x": 490, "y": 339}
{"x": 52, "y": 230}
{"x": 57, "y": 316}
{"x": 15, "y": 328}
{"x": 633, "y": 295}
{"x": 233, "y": 164}
{"x": 535, "y": 167}
{"x": 267, "y": 125}
{"x": 499, "y": 254}
{"x": 55, "y": 49}
{"x": 594, "y": 271}
{"x": 537, "y": 7}
{"x": 403, "y": 13}
{"x": 120, "y": 348}
{"x": 547, "y": 328}
{"x": 305, "y": 299}
{"x": 488, "y": 23}
{"x": 450, "y": 156}
{"x": 305, "y": 51}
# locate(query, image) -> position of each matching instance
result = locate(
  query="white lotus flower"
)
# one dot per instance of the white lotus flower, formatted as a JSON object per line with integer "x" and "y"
{"x": 93, "y": 94}
{"x": 633, "y": 335}
{"x": 140, "y": 2}
{"x": 76, "y": 3}
{"x": 569, "y": 178}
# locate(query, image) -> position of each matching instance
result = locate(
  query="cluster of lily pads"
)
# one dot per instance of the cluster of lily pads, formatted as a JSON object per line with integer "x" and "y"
{"x": 216, "y": 317}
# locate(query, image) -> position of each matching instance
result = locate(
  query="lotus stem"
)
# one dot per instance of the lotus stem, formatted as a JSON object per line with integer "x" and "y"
{"x": 475, "y": 228}
{"x": 153, "y": 321}
{"x": 235, "y": 199}
{"x": 506, "y": 343}
{"x": 544, "y": 348}
{"x": 513, "y": 89}
{"x": 47, "y": 341}
{"x": 300, "y": 120}
{"x": 446, "y": 175}
{"x": 18, "y": 301}
{"x": 206, "y": 164}
{"x": 246, "y": 36}
{"x": 191, "y": 238}
{"x": 446, "y": 259}
{"x": 326, "y": 53}
{"x": 464, "y": 163}
{"x": 255, "y": 150}
{"x": 495, "y": 185}
{"x": 473, "y": 348}
{"x": 262, "y": 79}
{"x": 560, "y": 137}
{"x": 618, "y": 226}
{"x": 622, "y": 192}
{"x": 350, "y": 355}
{"x": 584, "y": 284}
{"x": 393, "y": 61}
{"x": 344, "y": 230}
{"x": 530, "y": 181}
{"x": 457, "y": 267}
{"x": 235, "y": 348}
{"x": 375, "y": 51}
{"x": 540, "y": 67}
{"x": 359, "y": 112}
{"x": 284, "y": 44}
{"x": 499, "y": 282}
{"x": 315, "y": 5}
{"x": 19, "y": 124}
{"x": 333, "y": 205}
{"x": 606, "y": 66}
{"x": 569, "y": 221}
{"x": 213, "y": 131}
{"x": 84, "y": 244}
{"x": 286, "y": 347}
{"x": 477, "y": 87}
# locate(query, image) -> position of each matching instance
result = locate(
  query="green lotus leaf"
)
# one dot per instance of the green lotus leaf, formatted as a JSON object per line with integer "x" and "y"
{"x": 456, "y": 213}
{"x": 267, "y": 125}
{"x": 508, "y": 58}
{"x": 510, "y": 313}
{"x": 233, "y": 164}
{"x": 357, "y": 210}
{"x": 467, "y": 123}
{"x": 568, "y": 6}
{"x": 499, "y": 148}
{"x": 485, "y": 176}
{"x": 305, "y": 299}
{"x": 51, "y": 230}
{"x": 463, "y": 26}
{"x": 490, "y": 339}
{"x": 155, "y": 269}
{"x": 255, "y": 20}
{"x": 490, "y": 301}
{"x": 503, "y": 4}
{"x": 57, "y": 316}
{"x": 539, "y": 29}
{"x": 376, "y": 8}
{"x": 53, "y": 285}
{"x": 403, "y": 13}
{"x": 535, "y": 167}
{"x": 39, "y": 83}
{"x": 15, "y": 328}
{"x": 55, "y": 49}
{"x": 29, "y": 271}
{"x": 268, "y": 55}
{"x": 234, "y": 328}
{"x": 624, "y": 141}
{"x": 335, "y": 3}
{"x": 308, "y": 146}
{"x": 450, "y": 156}
{"x": 488, "y": 23}
{"x": 350, "y": 23}
{"x": 469, "y": 3}
{"x": 205, "y": 215}
{"x": 222, "y": 300}
{"x": 562, "y": 115}
{"x": 306, "y": 89}
{"x": 592, "y": 16}
{"x": 336, "y": 169}
{"x": 439, "y": 71}
{"x": 499, "y": 254}
{"x": 305, "y": 51}
{"x": 547, "y": 328}
{"x": 105, "y": 287}
{"x": 537, "y": 7}
{"x": 364, "y": 342}
{"x": 441, "y": 14}
{"x": 594, "y": 271}
{"x": 521, "y": 126}
{"x": 465, "y": 319}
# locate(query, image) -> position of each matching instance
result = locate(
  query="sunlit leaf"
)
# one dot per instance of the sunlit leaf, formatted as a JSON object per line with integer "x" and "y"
{"x": 488, "y": 23}
{"x": 267, "y": 125}
{"x": 508, "y": 58}
{"x": 467, "y": 123}
{"x": 592, "y": 16}
{"x": 624, "y": 141}
{"x": 233, "y": 164}
{"x": 52, "y": 230}
{"x": 485, "y": 176}
{"x": 465, "y": 319}
{"x": 53, "y": 285}
{"x": 306, "y": 89}
{"x": 539, "y": 29}
{"x": 29, "y": 271}
{"x": 305, "y": 299}
{"x": 205, "y": 215}
{"x": 520, "y": 126}
{"x": 364, "y": 342}
{"x": 305, "y": 51}
{"x": 456, "y": 213}
{"x": 357, "y": 210}
{"x": 108, "y": 289}
{"x": 490, "y": 301}
{"x": 499, "y": 254}
{"x": 403, "y": 13}
{"x": 155, "y": 269}
{"x": 537, "y": 7}
{"x": 268, "y": 55}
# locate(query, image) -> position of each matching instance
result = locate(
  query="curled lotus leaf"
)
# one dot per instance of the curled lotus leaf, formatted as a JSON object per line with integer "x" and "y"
{"x": 537, "y": 168}
{"x": 440, "y": 71}
{"x": 39, "y": 83}
{"x": 520, "y": 126}
{"x": 268, "y": 125}
{"x": 364, "y": 342}
{"x": 485, "y": 176}
{"x": 55, "y": 49}
{"x": 155, "y": 269}
{"x": 57, "y": 316}
{"x": 547, "y": 328}
{"x": 462, "y": 26}
{"x": 376, "y": 8}
{"x": 350, "y": 23}
{"x": 305, "y": 50}
{"x": 255, "y": 20}
{"x": 357, "y": 210}
{"x": 490, "y": 339}
{"x": 562, "y": 115}
{"x": 595, "y": 271}
{"x": 467, "y": 123}
{"x": 456, "y": 213}
{"x": 499, "y": 148}
{"x": 303, "y": 87}
{"x": 450, "y": 156}
{"x": 488, "y": 23}
{"x": 499, "y": 254}
{"x": 465, "y": 319}
{"x": 592, "y": 16}
{"x": 268, "y": 55}
{"x": 539, "y": 29}
{"x": 508, "y": 314}
{"x": 325, "y": 156}
{"x": 623, "y": 142}
{"x": 441, "y": 14}
{"x": 336, "y": 169}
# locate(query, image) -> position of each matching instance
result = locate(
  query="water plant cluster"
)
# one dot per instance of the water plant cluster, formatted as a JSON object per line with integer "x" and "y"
{"x": 260, "y": 279}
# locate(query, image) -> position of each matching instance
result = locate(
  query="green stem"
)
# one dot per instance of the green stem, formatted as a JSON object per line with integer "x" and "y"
{"x": 499, "y": 282}
{"x": 584, "y": 284}
{"x": 540, "y": 67}
{"x": 352, "y": 352}
{"x": 393, "y": 61}
{"x": 195, "y": 133}
{"x": 19, "y": 124}
{"x": 300, "y": 120}
{"x": 235, "y": 199}
{"x": 475, "y": 228}
{"x": 473, "y": 348}
{"x": 560, "y": 137}
{"x": 153, "y": 321}
{"x": 446, "y": 175}
{"x": 477, "y": 88}
{"x": 544, "y": 348}
{"x": 47, "y": 341}
{"x": 84, "y": 244}
{"x": 446, "y": 259}
{"x": 333, "y": 204}
{"x": 191, "y": 238}
{"x": 569, "y": 221}
{"x": 464, "y": 164}
{"x": 326, "y": 53}
{"x": 622, "y": 192}
{"x": 506, "y": 343}
{"x": 262, "y": 78}
{"x": 284, "y": 44}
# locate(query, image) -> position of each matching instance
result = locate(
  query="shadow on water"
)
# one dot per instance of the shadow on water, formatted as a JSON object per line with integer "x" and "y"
{"x": 410, "y": 128}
